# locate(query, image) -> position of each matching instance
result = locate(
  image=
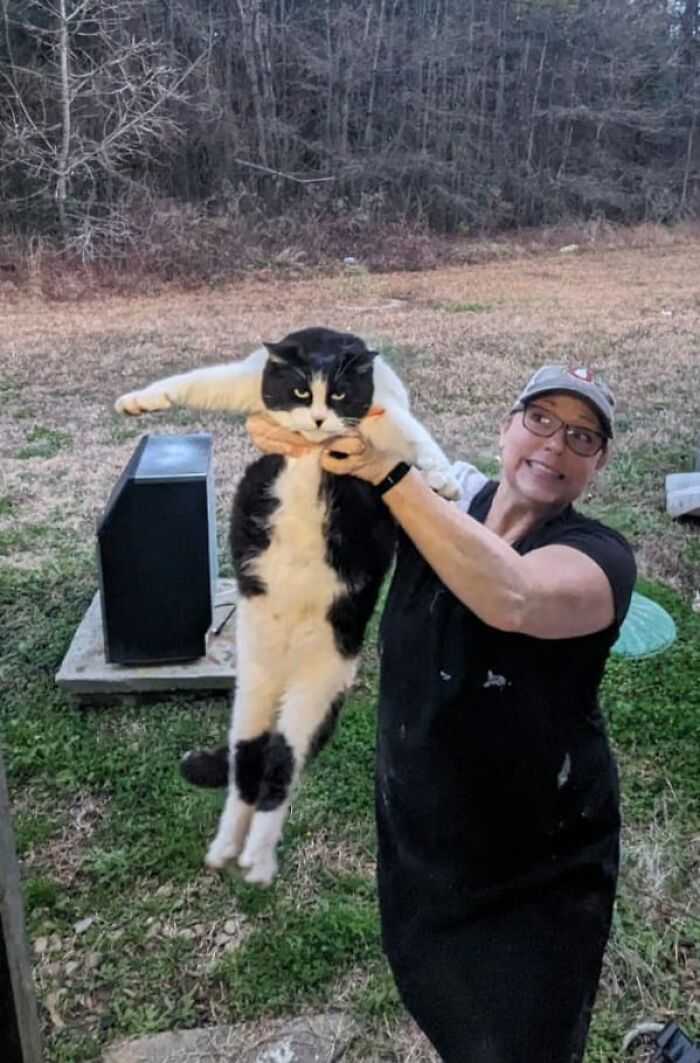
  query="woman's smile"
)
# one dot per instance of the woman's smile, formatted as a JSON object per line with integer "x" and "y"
{"x": 546, "y": 471}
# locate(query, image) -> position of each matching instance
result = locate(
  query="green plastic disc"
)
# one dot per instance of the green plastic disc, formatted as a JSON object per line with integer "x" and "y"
{"x": 647, "y": 629}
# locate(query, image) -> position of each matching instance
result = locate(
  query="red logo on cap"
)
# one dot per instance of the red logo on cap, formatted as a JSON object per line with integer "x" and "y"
{"x": 582, "y": 373}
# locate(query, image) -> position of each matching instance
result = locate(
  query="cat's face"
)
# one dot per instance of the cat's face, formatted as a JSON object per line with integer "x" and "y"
{"x": 318, "y": 382}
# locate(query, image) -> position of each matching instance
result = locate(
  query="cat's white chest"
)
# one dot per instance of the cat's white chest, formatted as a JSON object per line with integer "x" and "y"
{"x": 294, "y": 566}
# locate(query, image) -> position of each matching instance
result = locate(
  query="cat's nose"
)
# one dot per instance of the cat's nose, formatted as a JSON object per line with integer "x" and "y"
{"x": 319, "y": 421}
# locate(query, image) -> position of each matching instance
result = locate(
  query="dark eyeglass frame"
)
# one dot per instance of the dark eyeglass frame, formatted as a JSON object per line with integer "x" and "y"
{"x": 569, "y": 431}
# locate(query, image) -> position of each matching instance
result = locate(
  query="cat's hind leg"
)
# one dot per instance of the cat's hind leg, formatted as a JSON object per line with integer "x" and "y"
{"x": 256, "y": 698}
{"x": 307, "y": 713}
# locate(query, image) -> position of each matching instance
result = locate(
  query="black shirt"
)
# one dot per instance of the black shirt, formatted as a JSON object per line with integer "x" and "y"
{"x": 492, "y": 747}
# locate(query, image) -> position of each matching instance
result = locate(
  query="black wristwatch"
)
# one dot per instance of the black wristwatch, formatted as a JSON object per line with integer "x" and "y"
{"x": 392, "y": 478}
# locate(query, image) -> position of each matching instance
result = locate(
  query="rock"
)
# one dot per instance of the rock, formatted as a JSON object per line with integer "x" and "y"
{"x": 83, "y": 925}
{"x": 310, "y": 1039}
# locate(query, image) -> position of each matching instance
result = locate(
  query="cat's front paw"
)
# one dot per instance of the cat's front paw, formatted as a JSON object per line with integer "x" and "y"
{"x": 145, "y": 401}
{"x": 442, "y": 481}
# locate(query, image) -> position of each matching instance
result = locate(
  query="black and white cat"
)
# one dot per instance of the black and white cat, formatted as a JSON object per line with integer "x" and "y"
{"x": 310, "y": 551}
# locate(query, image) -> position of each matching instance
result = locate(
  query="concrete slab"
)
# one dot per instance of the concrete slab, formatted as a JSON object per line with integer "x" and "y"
{"x": 84, "y": 669}
{"x": 683, "y": 494}
{"x": 310, "y": 1039}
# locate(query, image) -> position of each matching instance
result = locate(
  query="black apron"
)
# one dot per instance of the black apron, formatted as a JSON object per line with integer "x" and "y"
{"x": 498, "y": 822}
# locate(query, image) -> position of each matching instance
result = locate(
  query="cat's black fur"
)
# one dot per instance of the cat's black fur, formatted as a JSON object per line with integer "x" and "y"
{"x": 360, "y": 532}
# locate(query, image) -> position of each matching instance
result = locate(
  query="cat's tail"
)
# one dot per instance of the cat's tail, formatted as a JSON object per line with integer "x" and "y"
{"x": 205, "y": 767}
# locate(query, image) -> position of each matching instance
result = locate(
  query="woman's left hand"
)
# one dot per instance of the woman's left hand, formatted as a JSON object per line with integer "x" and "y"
{"x": 355, "y": 456}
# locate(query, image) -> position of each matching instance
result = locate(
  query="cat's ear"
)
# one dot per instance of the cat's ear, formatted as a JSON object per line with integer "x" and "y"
{"x": 357, "y": 355}
{"x": 365, "y": 361}
{"x": 282, "y": 353}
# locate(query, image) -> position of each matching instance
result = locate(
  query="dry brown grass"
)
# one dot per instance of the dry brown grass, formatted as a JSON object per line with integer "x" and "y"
{"x": 62, "y": 856}
{"x": 464, "y": 338}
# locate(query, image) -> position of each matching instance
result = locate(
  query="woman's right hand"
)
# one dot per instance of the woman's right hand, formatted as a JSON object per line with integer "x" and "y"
{"x": 272, "y": 438}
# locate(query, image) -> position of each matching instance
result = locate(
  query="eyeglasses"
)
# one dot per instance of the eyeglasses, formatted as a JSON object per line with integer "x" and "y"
{"x": 583, "y": 441}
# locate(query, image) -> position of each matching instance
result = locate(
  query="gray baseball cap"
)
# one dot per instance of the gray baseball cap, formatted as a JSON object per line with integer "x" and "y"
{"x": 578, "y": 381}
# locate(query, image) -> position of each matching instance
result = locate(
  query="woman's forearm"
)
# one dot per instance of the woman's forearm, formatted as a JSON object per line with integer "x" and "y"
{"x": 480, "y": 569}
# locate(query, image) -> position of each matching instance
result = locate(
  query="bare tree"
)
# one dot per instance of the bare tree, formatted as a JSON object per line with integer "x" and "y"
{"x": 98, "y": 102}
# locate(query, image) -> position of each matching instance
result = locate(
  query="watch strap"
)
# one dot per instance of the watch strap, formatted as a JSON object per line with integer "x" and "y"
{"x": 392, "y": 478}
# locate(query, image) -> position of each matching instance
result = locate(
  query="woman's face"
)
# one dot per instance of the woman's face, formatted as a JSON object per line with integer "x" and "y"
{"x": 545, "y": 471}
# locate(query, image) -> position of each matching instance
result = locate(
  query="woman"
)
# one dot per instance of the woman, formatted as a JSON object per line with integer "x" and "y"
{"x": 496, "y": 791}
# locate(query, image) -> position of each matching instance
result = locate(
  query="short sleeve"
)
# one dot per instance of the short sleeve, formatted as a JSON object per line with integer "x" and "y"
{"x": 470, "y": 480}
{"x": 611, "y": 552}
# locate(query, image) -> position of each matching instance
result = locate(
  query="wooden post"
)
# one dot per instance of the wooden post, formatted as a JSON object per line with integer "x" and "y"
{"x": 19, "y": 1025}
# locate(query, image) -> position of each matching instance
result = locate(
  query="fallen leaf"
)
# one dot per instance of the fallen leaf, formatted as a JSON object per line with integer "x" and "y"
{"x": 51, "y": 1005}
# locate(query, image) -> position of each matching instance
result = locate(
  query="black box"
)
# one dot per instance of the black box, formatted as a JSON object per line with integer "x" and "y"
{"x": 156, "y": 551}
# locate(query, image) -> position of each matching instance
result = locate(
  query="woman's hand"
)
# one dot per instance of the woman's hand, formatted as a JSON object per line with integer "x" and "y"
{"x": 272, "y": 438}
{"x": 355, "y": 456}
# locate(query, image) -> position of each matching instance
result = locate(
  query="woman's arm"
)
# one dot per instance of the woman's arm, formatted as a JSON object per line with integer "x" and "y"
{"x": 553, "y": 592}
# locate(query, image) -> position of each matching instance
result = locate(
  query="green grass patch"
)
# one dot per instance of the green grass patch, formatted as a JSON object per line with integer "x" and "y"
{"x": 297, "y": 958}
{"x": 44, "y": 442}
{"x": 453, "y": 306}
{"x": 30, "y": 537}
{"x": 10, "y": 392}
{"x": 653, "y": 709}
{"x": 378, "y": 1000}
{"x": 400, "y": 355}
{"x": 630, "y": 495}
{"x": 138, "y": 871}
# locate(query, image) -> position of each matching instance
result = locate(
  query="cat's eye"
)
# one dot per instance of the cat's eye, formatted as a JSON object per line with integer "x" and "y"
{"x": 338, "y": 396}
{"x": 301, "y": 393}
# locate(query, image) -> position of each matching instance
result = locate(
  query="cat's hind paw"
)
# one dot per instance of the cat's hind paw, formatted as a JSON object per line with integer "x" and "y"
{"x": 442, "y": 481}
{"x": 261, "y": 870}
{"x": 146, "y": 401}
{"x": 220, "y": 854}
{"x": 205, "y": 767}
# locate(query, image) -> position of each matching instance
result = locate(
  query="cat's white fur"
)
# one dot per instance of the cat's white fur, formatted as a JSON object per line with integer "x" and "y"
{"x": 289, "y": 668}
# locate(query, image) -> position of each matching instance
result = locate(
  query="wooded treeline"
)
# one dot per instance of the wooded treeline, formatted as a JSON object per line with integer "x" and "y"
{"x": 467, "y": 114}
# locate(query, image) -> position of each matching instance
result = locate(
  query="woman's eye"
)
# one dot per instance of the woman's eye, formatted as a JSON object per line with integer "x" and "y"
{"x": 582, "y": 435}
{"x": 338, "y": 396}
{"x": 539, "y": 418}
{"x": 301, "y": 393}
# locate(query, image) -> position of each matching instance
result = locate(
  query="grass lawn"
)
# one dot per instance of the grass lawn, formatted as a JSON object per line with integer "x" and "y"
{"x": 130, "y": 934}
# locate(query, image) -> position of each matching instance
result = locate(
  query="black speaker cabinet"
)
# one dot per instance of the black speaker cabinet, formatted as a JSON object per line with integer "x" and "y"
{"x": 156, "y": 549}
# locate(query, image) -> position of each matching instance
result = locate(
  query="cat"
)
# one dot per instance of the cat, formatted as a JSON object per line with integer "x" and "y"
{"x": 310, "y": 551}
